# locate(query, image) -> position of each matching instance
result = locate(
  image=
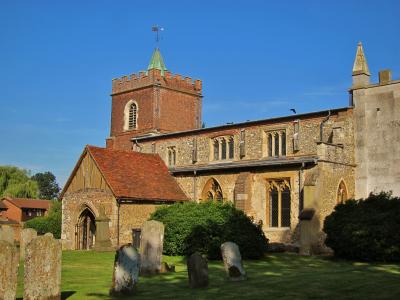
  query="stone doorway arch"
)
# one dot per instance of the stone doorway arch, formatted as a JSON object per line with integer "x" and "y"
{"x": 85, "y": 230}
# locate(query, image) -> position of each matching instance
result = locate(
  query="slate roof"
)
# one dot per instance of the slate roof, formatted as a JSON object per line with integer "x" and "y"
{"x": 134, "y": 175}
{"x": 29, "y": 203}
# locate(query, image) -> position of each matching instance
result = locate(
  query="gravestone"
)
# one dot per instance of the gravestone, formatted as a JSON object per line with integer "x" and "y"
{"x": 7, "y": 234}
{"x": 151, "y": 247}
{"x": 197, "y": 267}
{"x": 103, "y": 241}
{"x": 307, "y": 231}
{"x": 232, "y": 262}
{"x": 126, "y": 271}
{"x": 27, "y": 235}
{"x": 9, "y": 260}
{"x": 42, "y": 276}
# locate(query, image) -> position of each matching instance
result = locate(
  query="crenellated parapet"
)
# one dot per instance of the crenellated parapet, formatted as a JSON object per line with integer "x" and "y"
{"x": 154, "y": 77}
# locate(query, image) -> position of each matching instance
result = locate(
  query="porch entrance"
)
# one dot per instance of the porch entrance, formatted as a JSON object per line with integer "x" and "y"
{"x": 85, "y": 230}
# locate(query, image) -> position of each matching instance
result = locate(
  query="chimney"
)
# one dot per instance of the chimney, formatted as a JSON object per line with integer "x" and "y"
{"x": 385, "y": 76}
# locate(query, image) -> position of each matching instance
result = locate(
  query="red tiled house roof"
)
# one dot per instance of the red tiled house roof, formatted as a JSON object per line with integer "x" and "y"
{"x": 134, "y": 175}
{"x": 29, "y": 203}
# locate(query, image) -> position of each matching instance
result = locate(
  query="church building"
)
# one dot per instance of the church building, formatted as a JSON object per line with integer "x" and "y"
{"x": 276, "y": 170}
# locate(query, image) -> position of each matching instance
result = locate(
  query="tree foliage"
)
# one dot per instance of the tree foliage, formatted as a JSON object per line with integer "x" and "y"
{"x": 15, "y": 182}
{"x": 203, "y": 227}
{"x": 48, "y": 186}
{"x": 49, "y": 223}
{"x": 366, "y": 229}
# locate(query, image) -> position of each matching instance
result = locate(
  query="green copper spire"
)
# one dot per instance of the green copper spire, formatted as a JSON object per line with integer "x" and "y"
{"x": 157, "y": 62}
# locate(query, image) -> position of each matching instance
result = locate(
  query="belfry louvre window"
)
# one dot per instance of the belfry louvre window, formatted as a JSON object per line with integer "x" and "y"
{"x": 133, "y": 116}
{"x": 223, "y": 148}
{"x": 276, "y": 143}
{"x": 278, "y": 207}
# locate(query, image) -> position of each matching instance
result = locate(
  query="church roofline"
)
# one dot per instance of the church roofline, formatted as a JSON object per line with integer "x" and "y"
{"x": 242, "y": 124}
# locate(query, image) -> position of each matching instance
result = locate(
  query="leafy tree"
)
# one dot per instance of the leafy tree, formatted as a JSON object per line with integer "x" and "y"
{"x": 48, "y": 186}
{"x": 366, "y": 229}
{"x": 16, "y": 182}
{"x": 203, "y": 227}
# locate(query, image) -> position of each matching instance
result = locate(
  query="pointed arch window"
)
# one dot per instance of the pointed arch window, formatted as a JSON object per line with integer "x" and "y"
{"x": 279, "y": 203}
{"x": 342, "y": 194}
{"x": 212, "y": 191}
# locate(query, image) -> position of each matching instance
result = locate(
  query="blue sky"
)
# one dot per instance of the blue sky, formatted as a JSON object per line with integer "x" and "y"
{"x": 257, "y": 59}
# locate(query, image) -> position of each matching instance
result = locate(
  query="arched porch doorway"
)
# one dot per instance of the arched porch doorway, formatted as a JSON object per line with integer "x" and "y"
{"x": 85, "y": 230}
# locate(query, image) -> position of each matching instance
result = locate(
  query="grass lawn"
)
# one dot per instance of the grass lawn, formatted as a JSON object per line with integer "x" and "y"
{"x": 87, "y": 275}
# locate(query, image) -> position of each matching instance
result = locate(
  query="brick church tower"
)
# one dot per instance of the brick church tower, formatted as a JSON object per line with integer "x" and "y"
{"x": 153, "y": 102}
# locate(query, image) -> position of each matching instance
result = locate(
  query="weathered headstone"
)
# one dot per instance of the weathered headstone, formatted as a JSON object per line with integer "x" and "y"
{"x": 197, "y": 267}
{"x": 27, "y": 235}
{"x": 151, "y": 247}
{"x": 103, "y": 241}
{"x": 9, "y": 260}
{"x": 7, "y": 234}
{"x": 126, "y": 271}
{"x": 307, "y": 231}
{"x": 232, "y": 261}
{"x": 42, "y": 276}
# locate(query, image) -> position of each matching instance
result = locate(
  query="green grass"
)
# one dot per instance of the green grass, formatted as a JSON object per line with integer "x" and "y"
{"x": 87, "y": 275}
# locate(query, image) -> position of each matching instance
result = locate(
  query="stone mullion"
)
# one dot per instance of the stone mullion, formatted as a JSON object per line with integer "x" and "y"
{"x": 273, "y": 143}
{"x": 280, "y": 143}
{"x": 279, "y": 207}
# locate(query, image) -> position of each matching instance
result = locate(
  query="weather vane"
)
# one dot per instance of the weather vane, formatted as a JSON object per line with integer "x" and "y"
{"x": 157, "y": 30}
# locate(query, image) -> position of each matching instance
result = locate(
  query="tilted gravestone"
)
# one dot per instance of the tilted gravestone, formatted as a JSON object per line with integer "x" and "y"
{"x": 27, "y": 235}
{"x": 197, "y": 268}
{"x": 151, "y": 247}
{"x": 9, "y": 259}
{"x": 232, "y": 262}
{"x": 7, "y": 234}
{"x": 126, "y": 271}
{"x": 42, "y": 276}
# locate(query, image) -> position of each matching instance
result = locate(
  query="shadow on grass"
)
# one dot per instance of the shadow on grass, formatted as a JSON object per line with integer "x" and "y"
{"x": 64, "y": 295}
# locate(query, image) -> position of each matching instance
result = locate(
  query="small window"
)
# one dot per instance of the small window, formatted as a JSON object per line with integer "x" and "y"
{"x": 216, "y": 150}
{"x": 270, "y": 145}
{"x": 276, "y": 137}
{"x": 171, "y": 152}
{"x": 223, "y": 149}
{"x": 231, "y": 148}
{"x": 283, "y": 143}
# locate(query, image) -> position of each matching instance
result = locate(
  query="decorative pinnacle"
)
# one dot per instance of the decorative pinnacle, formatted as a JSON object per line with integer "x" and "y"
{"x": 360, "y": 62}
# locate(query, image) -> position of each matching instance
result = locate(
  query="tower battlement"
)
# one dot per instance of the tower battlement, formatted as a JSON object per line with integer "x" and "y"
{"x": 154, "y": 77}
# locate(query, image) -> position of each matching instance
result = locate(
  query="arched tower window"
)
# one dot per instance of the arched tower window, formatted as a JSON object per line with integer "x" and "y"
{"x": 131, "y": 115}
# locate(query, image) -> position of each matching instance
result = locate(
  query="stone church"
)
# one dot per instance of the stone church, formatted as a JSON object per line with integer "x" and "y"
{"x": 279, "y": 171}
